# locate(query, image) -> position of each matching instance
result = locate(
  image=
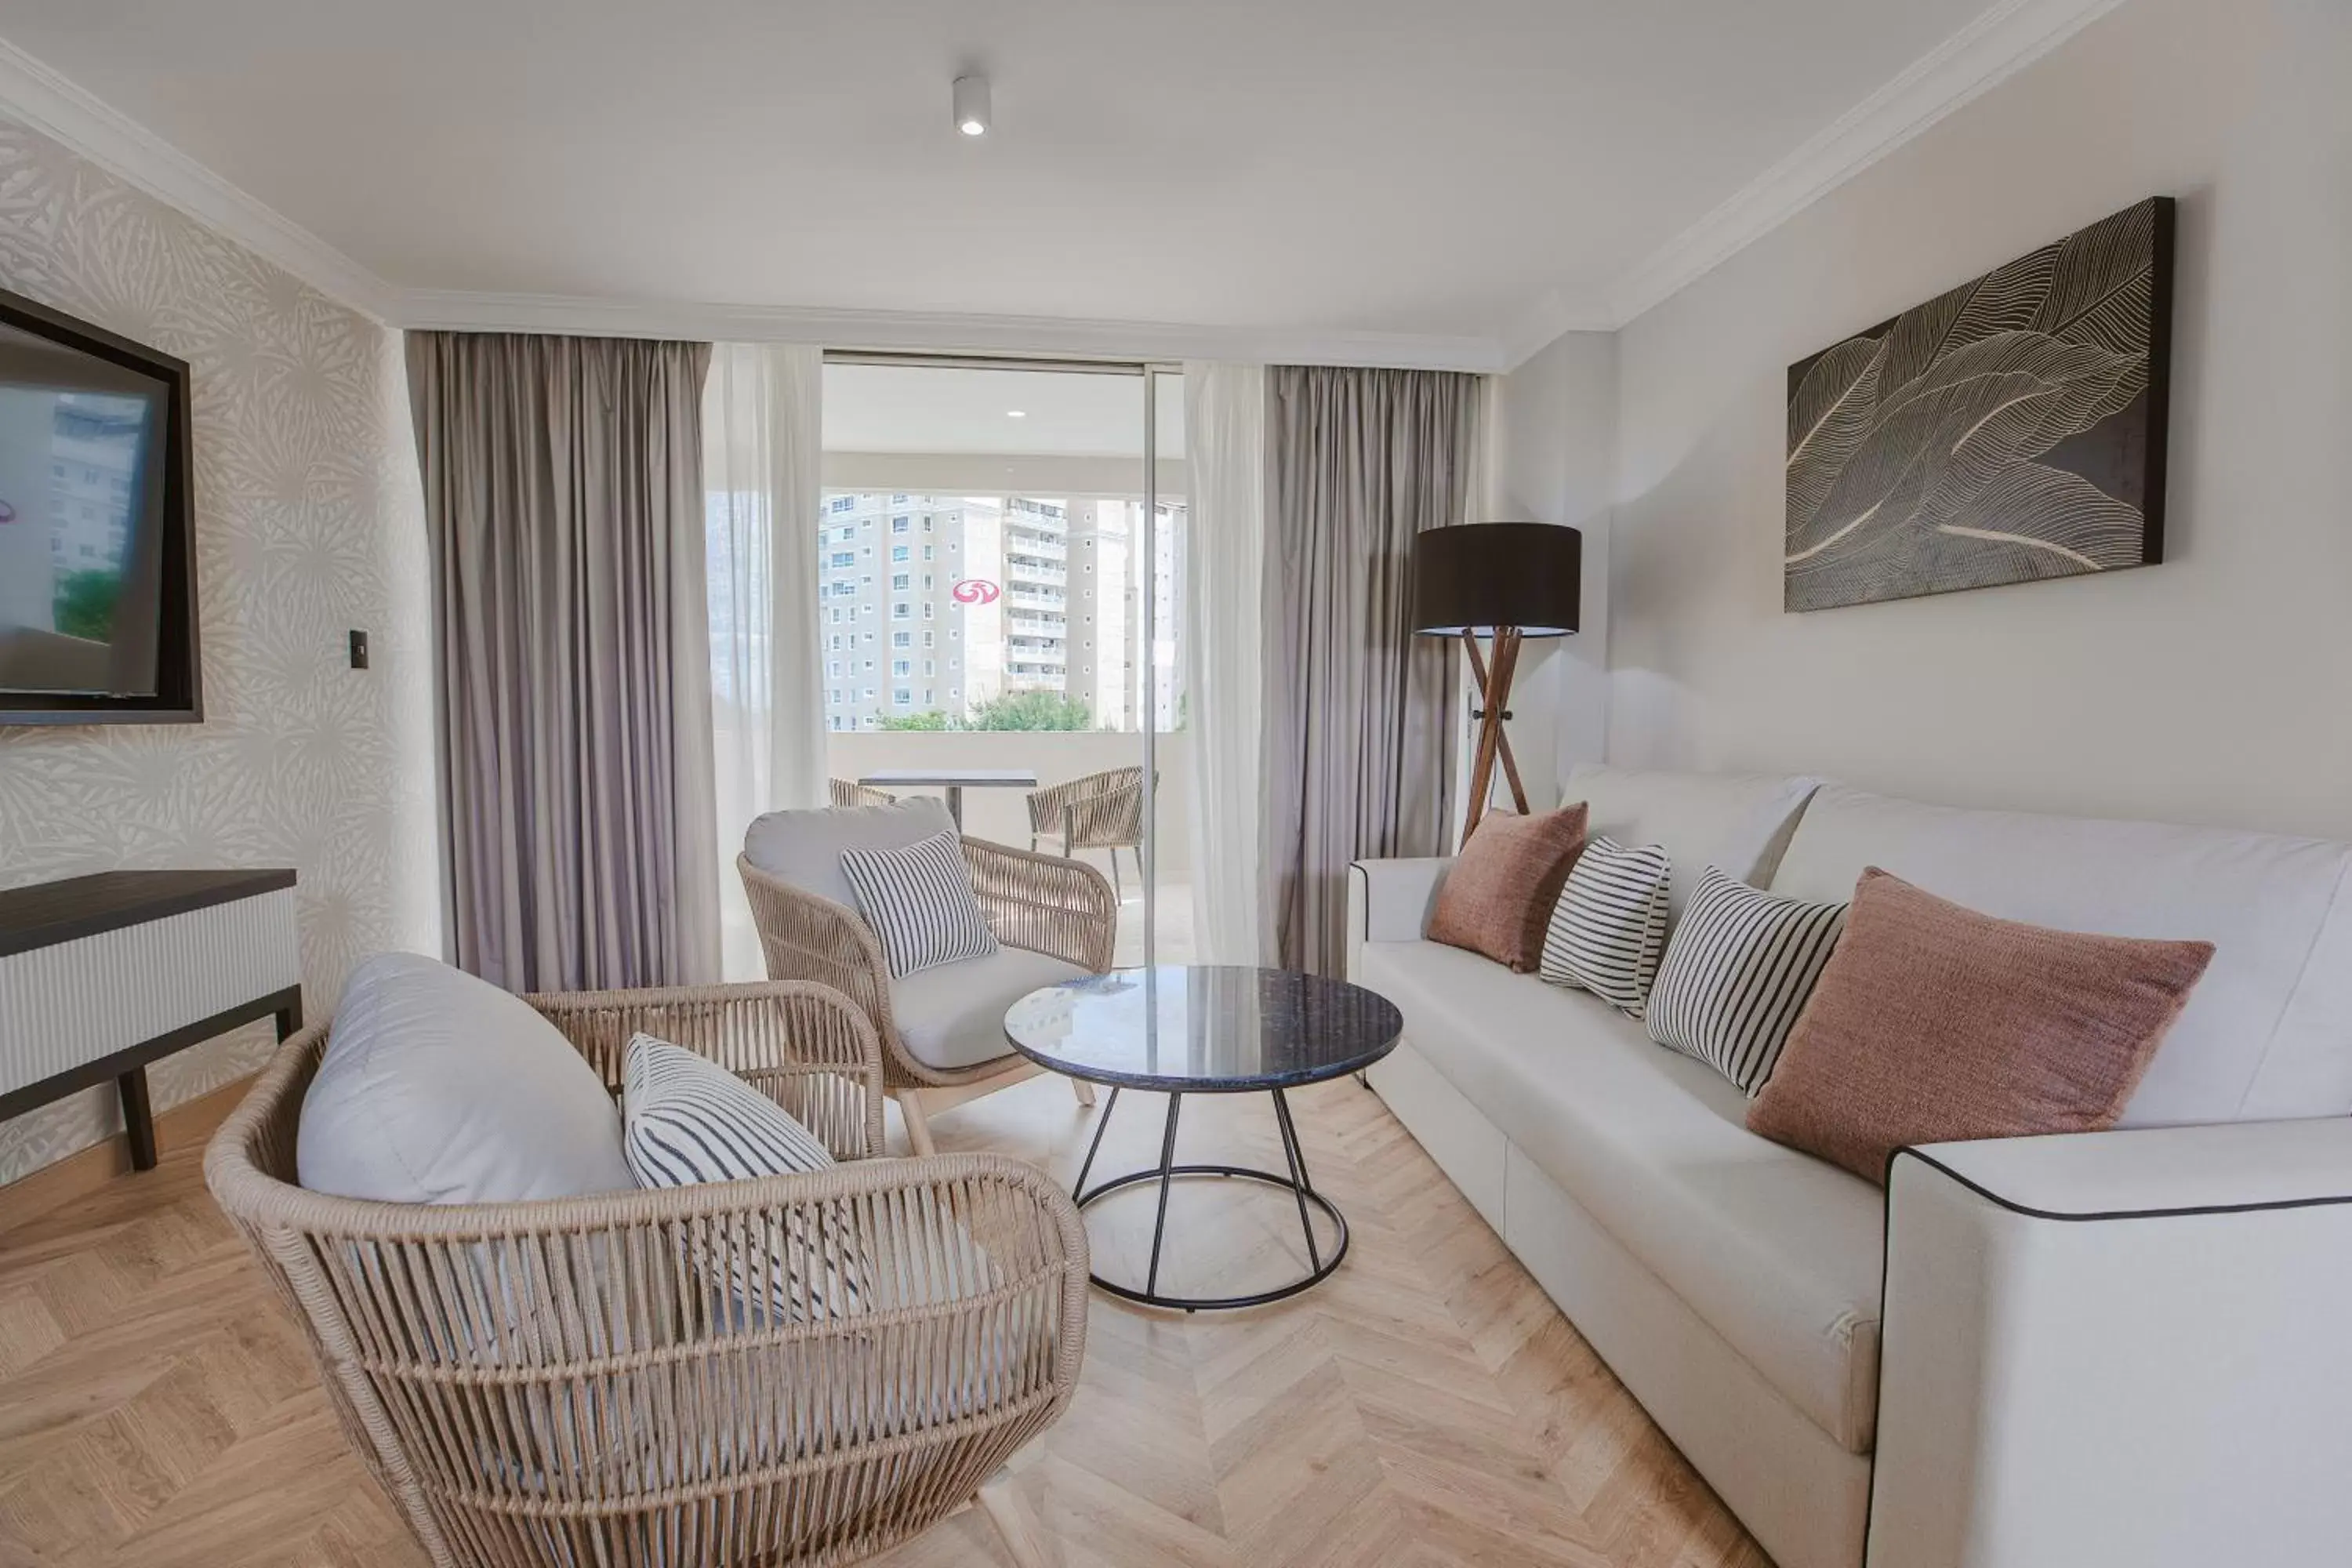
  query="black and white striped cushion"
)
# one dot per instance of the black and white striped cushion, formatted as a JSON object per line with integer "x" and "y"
{"x": 1610, "y": 924}
{"x": 919, "y": 901}
{"x": 686, "y": 1120}
{"x": 1737, "y": 975}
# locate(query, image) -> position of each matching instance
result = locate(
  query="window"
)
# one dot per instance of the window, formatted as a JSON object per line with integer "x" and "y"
{"x": 902, "y": 639}
{"x": 833, "y": 668}
{"x": 929, "y": 667}
{"x": 900, "y": 611}
{"x": 898, "y": 553}
{"x": 899, "y": 525}
{"x": 927, "y": 698}
{"x": 901, "y": 668}
{"x": 927, "y": 609}
{"x": 870, "y": 664}
{"x": 898, "y": 581}
{"x": 836, "y": 615}
{"x": 928, "y": 640}
{"x": 844, "y": 503}
{"x": 927, "y": 528}
{"x": 902, "y": 698}
{"x": 927, "y": 552}
{"x": 842, "y": 558}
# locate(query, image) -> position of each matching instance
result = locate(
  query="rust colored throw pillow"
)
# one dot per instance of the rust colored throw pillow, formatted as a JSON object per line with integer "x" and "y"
{"x": 1932, "y": 1022}
{"x": 1497, "y": 899}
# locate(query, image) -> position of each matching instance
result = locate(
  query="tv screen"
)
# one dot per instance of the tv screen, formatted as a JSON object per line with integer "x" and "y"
{"x": 95, "y": 577}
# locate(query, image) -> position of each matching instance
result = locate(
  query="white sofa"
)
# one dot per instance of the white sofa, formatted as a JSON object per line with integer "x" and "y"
{"x": 2128, "y": 1347}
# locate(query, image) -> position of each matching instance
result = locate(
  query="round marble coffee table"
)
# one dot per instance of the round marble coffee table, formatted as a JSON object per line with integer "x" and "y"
{"x": 1185, "y": 1029}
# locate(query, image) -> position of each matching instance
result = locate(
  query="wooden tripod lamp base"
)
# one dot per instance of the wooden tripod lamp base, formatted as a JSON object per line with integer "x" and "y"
{"x": 1509, "y": 582}
{"x": 1494, "y": 706}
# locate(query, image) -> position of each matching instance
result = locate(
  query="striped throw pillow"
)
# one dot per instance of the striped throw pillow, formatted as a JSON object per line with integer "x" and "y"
{"x": 919, "y": 901}
{"x": 1610, "y": 924}
{"x": 1737, "y": 974}
{"x": 686, "y": 1120}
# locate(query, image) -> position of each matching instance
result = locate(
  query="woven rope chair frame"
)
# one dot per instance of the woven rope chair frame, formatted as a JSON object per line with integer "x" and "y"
{"x": 590, "y": 1381}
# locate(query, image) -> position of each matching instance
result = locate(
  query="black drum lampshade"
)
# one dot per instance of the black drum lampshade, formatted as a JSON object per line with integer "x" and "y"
{"x": 1507, "y": 582}
{"x": 1485, "y": 577}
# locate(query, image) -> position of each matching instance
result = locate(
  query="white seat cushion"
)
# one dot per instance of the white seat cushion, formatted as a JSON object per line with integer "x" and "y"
{"x": 439, "y": 1088}
{"x": 1780, "y": 1253}
{"x": 952, "y": 1014}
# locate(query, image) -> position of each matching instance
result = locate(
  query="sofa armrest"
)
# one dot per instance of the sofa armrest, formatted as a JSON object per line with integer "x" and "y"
{"x": 2117, "y": 1347}
{"x": 1390, "y": 900}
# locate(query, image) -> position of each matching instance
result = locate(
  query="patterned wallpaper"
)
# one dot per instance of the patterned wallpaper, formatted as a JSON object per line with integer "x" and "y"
{"x": 308, "y": 522}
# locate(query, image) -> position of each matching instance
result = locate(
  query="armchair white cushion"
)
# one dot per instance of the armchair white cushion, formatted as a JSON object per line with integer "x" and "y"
{"x": 439, "y": 1088}
{"x": 951, "y": 1015}
{"x": 803, "y": 848}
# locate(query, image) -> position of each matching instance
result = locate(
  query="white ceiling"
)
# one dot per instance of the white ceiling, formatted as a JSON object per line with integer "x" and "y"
{"x": 1299, "y": 167}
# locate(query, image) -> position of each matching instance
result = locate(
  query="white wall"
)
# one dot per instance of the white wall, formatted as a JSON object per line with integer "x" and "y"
{"x": 1551, "y": 451}
{"x": 2209, "y": 688}
{"x": 308, "y": 522}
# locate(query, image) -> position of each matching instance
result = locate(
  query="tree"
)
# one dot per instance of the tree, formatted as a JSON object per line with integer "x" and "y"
{"x": 1031, "y": 710}
{"x": 84, "y": 604}
{"x": 931, "y": 721}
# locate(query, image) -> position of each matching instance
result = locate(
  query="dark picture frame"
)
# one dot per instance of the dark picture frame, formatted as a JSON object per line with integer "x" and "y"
{"x": 2011, "y": 429}
{"x": 178, "y": 697}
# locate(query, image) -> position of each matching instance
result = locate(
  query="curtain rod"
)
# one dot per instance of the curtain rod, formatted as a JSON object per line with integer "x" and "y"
{"x": 996, "y": 362}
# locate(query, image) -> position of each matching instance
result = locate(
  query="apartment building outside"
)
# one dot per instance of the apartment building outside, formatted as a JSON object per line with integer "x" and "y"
{"x": 935, "y": 605}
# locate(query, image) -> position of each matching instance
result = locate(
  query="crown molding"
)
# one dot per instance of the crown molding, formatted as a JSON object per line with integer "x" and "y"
{"x": 62, "y": 110}
{"x": 937, "y": 332}
{"x": 1550, "y": 318}
{"x": 1998, "y": 44}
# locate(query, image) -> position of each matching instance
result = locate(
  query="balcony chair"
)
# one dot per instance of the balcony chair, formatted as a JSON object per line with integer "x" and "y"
{"x": 942, "y": 1029}
{"x": 1100, "y": 811}
{"x": 844, "y": 793}
{"x": 559, "y": 1383}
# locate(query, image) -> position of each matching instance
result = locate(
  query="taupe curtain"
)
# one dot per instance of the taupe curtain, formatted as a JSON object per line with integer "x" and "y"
{"x": 1357, "y": 738}
{"x": 564, "y": 496}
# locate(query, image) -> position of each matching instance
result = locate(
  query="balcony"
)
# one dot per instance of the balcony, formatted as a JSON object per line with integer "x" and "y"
{"x": 1056, "y": 757}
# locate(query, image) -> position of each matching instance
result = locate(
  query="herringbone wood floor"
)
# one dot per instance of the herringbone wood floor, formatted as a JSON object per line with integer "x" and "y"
{"x": 1426, "y": 1407}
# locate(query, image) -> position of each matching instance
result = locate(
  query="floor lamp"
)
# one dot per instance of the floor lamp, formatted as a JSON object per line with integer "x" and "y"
{"x": 1505, "y": 581}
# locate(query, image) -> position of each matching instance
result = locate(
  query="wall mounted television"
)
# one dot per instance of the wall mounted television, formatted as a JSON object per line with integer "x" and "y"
{"x": 98, "y": 569}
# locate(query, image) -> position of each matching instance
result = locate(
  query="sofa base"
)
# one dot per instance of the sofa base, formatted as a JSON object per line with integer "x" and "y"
{"x": 1803, "y": 1495}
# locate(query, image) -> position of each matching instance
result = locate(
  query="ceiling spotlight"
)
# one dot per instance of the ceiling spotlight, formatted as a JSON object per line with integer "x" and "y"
{"x": 1016, "y": 413}
{"x": 971, "y": 105}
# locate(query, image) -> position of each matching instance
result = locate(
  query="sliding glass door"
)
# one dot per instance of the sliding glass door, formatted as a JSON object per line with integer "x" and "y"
{"x": 999, "y": 599}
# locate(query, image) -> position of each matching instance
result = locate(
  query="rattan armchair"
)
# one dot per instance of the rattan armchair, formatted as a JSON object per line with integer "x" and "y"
{"x": 1099, "y": 811}
{"x": 848, "y": 793}
{"x": 573, "y": 1383}
{"x": 1045, "y": 903}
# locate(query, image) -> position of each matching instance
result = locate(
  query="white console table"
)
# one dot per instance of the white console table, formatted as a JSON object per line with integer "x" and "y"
{"x": 100, "y": 975}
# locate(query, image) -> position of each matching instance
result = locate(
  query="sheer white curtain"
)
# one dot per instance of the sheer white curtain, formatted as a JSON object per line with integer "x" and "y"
{"x": 1223, "y": 650}
{"x": 763, "y": 422}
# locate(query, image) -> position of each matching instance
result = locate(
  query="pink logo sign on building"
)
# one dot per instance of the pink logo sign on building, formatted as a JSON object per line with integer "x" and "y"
{"x": 974, "y": 591}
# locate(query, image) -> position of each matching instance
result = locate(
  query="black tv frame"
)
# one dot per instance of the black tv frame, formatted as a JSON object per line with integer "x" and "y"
{"x": 179, "y": 696}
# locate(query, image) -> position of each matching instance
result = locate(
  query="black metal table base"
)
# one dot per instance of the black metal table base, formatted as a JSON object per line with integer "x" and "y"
{"x": 1300, "y": 1186}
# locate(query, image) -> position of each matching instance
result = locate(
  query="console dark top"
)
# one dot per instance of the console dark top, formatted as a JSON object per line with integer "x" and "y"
{"x": 1204, "y": 1028}
{"x": 47, "y": 913}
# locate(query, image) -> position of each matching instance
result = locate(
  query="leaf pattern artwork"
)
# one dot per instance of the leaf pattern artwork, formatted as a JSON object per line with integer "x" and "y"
{"x": 2007, "y": 430}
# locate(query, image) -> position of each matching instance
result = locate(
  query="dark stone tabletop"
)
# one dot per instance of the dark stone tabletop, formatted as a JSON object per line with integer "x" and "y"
{"x": 1204, "y": 1028}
